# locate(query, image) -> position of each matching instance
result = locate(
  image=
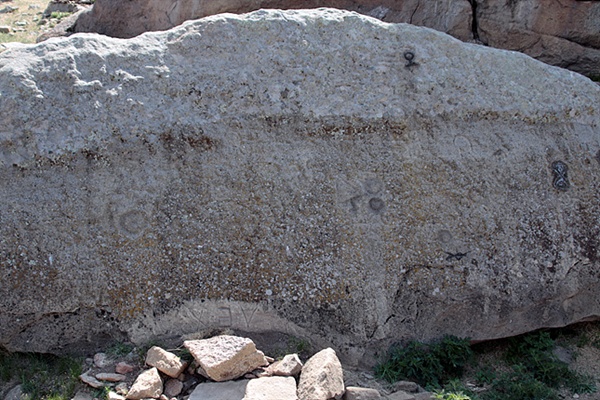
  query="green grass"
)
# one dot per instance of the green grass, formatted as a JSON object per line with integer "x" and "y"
{"x": 59, "y": 15}
{"x": 42, "y": 376}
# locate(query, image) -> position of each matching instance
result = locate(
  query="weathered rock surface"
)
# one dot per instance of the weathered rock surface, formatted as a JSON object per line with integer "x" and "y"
{"x": 165, "y": 361}
{"x": 148, "y": 384}
{"x": 327, "y": 176}
{"x": 271, "y": 388}
{"x": 322, "y": 377}
{"x": 562, "y": 33}
{"x": 225, "y": 357}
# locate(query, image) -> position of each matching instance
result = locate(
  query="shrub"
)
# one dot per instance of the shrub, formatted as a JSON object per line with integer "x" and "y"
{"x": 431, "y": 365}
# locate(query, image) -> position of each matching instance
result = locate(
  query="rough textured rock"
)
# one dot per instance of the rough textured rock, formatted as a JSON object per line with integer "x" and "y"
{"x": 271, "y": 388}
{"x": 562, "y": 33}
{"x": 225, "y": 357}
{"x": 148, "y": 384}
{"x": 359, "y": 393}
{"x": 299, "y": 180}
{"x": 322, "y": 377}
{"x": 233, "y": 390}
{"x": 166, "y": 362}
{"x": 124, "y": 19}
{"x": 290, "y": 365}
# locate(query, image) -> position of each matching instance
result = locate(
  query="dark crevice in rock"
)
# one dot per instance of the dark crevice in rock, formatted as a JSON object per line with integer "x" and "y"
{"x": 474, "y": 24}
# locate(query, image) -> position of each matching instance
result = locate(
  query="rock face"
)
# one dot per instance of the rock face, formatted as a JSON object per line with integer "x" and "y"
{"x": 327, "y": 176}
{"x": 566, "y": 34}
{"x": 562, "y": 33}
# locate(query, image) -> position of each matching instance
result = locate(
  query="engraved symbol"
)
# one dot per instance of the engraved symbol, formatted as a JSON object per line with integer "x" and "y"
{"x": 456, "y": 256}
{"x": 376, "y": 204}
{"x": 410, "y": 57}
{"x": 561, "y": 181}
{"x": 133, "y": 222}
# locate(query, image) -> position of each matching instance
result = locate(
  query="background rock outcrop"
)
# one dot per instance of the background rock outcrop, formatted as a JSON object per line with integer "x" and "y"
{"x": 272, "y": 172}
{"x": 561, "y": 33}
{"x": 130, "y": 18}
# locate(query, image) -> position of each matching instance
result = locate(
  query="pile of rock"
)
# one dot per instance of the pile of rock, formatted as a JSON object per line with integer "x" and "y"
{"x": 229, "y": 367}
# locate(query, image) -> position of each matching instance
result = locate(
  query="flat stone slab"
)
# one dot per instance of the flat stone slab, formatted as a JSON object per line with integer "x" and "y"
{"x": 232, "y": 390}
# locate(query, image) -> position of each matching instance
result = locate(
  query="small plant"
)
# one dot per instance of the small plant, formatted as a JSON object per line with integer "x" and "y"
{"x": 431, "y": 365}
{"x": 119, "y": 349}
{"x": 533, "y": 353}
{"x": 443, "y": 395}
{"x": 519, "y": 385}
{"x": 59, "y": 14}
{"x": 485, "y": 376}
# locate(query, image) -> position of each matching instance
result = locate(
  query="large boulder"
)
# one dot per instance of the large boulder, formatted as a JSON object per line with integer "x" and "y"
{"x": 562, "y": 33}
{"x": 315, "y": 173}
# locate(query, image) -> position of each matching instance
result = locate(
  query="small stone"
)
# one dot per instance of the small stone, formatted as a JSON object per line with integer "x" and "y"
{"x": 163, "y": 397}
{"x": 271, "y": 388}
{"x": 124, "y": 368}
{"x": 21, "y": 23}
{"x": 173, "y": 387}
{"x": 8, "y": 9}
{"x": 270, "y": 360}
{"x": 101, "y": 360}
{"x": 122, "y": 388}
{"x": 423, "y": 396}
{"x": 147, "y": 384}
{"x": 406, "y": 386}
{"x": 401, "y": 395}
{"x": 250, "y": 376}
{"x": 289, "y": 366}
{"x": 90, "y": 380}
{"x": 166, "y": 362}
{"x": 115, "y": 396}
{"x": 4, "y": 29}
{"x": 15, "y": 393}
{"x": 103, "y": 376}
{"x": 359, "y": 393}
{"x": 80, "y": 395}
